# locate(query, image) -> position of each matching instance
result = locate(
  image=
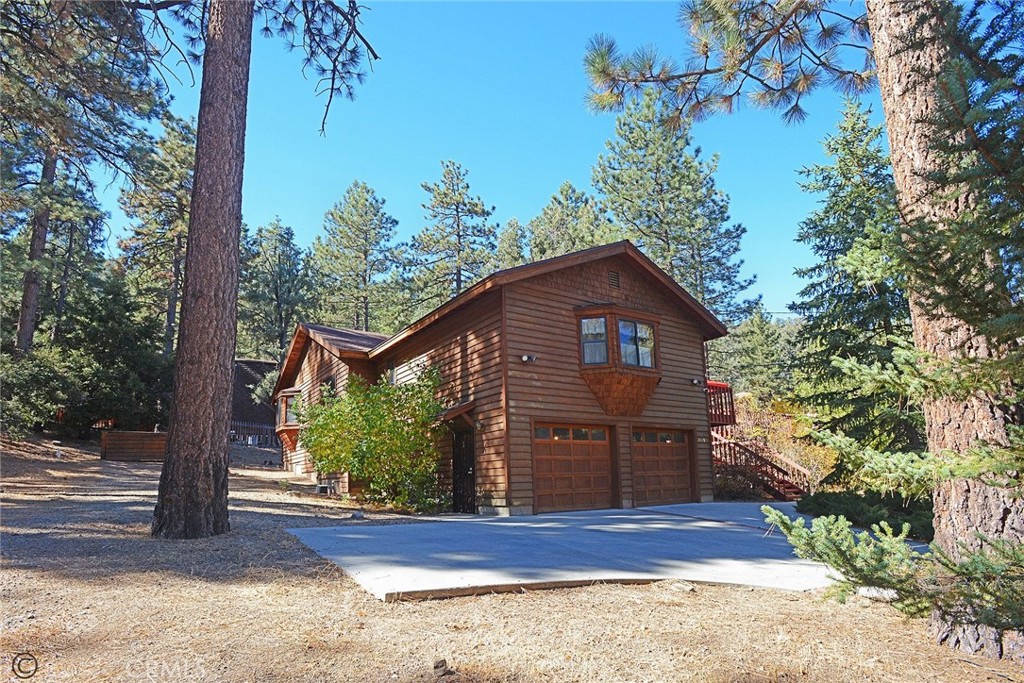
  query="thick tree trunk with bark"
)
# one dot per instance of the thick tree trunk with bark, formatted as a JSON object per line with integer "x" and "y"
{"x": 36, "y": 250}
{"x": 193, "y": 496}
{"x": 910, "y": 53}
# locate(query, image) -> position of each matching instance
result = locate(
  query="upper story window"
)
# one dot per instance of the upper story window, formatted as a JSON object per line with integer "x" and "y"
{"x": 636, "y": 343}
{"x": 594, "y": 336}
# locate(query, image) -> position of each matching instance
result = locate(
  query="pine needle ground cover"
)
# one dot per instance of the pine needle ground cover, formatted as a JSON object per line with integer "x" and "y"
{"x": 86, "y": 590}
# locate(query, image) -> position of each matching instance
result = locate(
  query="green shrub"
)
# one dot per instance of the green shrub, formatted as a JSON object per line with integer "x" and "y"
{"x": 866, "y": 509}
{"x": 384, "y": 434}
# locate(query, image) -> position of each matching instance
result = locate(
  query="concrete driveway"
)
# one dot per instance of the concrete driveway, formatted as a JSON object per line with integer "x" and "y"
{"x": 462, "y": 555}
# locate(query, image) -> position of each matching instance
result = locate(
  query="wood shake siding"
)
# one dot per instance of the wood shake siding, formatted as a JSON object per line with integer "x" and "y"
{"x": 541, "y": 321}
{"x": 466, "y": 348}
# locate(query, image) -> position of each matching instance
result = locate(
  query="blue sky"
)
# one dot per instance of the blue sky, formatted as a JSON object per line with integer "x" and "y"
{"x": 500, "y": 88}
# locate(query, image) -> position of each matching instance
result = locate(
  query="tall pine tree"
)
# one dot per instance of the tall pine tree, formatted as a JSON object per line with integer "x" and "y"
{"x": 154, "y": 252}
{"x": 453, "y": 251}
{"x": 758, "y": 356}
{"x": 77, "y": 91}
{"x": 511, "y": 246}
{"x": 355, "y": 262}
{"x": 571, "y": 221}
{"x": 929, "y": 57}
{"x": 855, "y": 306}
{"x": 273, "y": 289}
{"x": 663, "y": 195}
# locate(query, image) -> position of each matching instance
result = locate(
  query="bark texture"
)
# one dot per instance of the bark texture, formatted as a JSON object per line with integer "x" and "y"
{"x": 910, "y": 51}
{"x": 193, "y": 496}
{"x": 36, "y": 250}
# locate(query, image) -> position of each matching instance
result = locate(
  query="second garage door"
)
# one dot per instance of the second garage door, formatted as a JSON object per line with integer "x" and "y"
{"x": 572, "y": 467}
{"x": 662, "y": 470}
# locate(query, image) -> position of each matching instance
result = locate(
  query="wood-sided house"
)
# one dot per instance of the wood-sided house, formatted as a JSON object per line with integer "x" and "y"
{"x": 577, "y": 382}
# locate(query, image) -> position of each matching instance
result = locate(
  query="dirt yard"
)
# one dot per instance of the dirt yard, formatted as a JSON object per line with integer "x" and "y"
{"x": 92, "y": 597}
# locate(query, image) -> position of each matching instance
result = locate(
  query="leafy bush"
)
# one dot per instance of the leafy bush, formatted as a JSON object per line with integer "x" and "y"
{"x": 869, "y": 508}
{"x": 35, "y": 387}
{"x": 384, "y": 434}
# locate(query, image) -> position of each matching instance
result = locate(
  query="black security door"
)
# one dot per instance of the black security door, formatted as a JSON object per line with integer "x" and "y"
{"x": 463, "y": 479}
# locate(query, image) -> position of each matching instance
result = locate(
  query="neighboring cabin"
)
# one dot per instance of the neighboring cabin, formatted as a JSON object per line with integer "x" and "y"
{"x": 252, "y": 423}
{"x": 574, "y": 383}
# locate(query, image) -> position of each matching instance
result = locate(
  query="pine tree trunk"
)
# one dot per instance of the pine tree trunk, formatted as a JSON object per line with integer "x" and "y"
{"x": 36, "y": 250}
{"x": 193, "y": 498}
{"x": 62, "y": 294}
{"x": 910, "y": 53}
{"x": 170, "y": 317}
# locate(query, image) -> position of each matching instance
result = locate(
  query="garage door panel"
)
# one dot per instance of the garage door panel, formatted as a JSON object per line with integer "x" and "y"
{"x": 578, "y": 457}
{"x": 661, "y": 467}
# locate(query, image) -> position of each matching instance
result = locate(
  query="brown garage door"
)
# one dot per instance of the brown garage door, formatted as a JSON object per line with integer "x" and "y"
{"x": 661, "y": 467}
{"x": 572, "y": 468}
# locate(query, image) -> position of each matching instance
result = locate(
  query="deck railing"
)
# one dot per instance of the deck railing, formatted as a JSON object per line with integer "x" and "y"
{"x": 721, "y": 409}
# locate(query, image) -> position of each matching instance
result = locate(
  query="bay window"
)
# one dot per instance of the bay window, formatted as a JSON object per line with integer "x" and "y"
{"x": 636, "y": 348}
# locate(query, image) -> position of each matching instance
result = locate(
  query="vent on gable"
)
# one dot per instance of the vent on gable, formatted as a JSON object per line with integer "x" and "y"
{"x": 613, "y": 278}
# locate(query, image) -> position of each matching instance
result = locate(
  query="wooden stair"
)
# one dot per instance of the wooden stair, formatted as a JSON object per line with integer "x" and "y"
{"x": 784, "y": 478}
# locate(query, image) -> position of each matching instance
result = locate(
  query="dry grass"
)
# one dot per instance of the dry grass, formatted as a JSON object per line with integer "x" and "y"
{"x": 94, "y": 598}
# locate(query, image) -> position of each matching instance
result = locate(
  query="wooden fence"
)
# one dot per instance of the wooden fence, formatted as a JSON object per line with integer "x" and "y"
{"x": 133, "y": 446}
{"x": 149, "y": 446}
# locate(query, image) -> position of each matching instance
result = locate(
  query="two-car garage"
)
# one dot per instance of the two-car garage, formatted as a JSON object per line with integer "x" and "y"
{"x": 574, "y": 465}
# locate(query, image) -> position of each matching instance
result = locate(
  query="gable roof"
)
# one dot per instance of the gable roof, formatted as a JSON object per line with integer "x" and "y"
{"x": 711, "y": 327}
{"x": 359, "y": 345}
{"x": 341, "y": 342}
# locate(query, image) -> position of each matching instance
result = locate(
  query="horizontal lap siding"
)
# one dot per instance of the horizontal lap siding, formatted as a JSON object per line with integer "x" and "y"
{"x": 541, "y": 322}
{"x": 466, "y": 349}
{"x": 317, "y": 366}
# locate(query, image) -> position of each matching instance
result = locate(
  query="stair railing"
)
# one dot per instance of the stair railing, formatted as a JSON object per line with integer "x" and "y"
{"x": 778, "y": 472}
